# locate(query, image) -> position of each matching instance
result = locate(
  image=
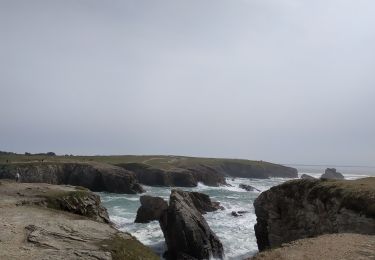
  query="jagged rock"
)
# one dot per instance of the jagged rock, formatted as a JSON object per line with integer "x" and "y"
{"x": 94, "y": 176}
{"x": 151, "y": 209}
{"x": 247, "y": 187}
{"x": 203, "y": 203}
{"x": 331, "y": 173}
{"x": 306, "y": 176}
{"x": 186, "y": 232}
{"x": 308, "y": 208}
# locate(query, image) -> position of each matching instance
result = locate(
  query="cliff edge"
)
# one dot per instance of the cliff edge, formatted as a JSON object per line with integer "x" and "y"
{"x": 43, "y": 221}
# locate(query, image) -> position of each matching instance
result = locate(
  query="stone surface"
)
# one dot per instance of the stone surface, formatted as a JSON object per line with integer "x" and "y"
{"x": 186, "y": 232}
{"x": 94, "y": 176}
{"x": 151, "y": 209}
{"x": 307, "y": 208}
{"x": 331, "y": 173}
{"x": 32, "y": 230}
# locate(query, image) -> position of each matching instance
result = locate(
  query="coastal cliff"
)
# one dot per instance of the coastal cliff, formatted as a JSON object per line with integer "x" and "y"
{"x": 43, "y": 221}
{"x": 92, "y": 175}
{"x": 308, "y": 208}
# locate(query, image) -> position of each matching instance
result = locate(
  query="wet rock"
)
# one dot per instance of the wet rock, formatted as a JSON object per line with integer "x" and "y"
{"x": 247, "y": 187}
{"x": 203, "y": 203}
{"x": 331, "y": 173}
{"x": 151, "y": 209}
{"x": 239, "y": 213}
{"x": 186, "y": 232}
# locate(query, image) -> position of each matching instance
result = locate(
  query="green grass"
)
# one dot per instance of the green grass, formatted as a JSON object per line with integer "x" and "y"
{"x": 156, "y": 161}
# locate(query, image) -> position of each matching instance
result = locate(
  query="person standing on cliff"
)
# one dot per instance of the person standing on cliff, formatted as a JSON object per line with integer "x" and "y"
{"x": 18, "y": 177}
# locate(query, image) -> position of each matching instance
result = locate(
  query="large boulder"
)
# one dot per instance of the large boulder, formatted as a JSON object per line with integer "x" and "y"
{"x": 94, "y": 176}
{"x": 203, "y": 203}
{"x": 186, "y": 232}
{"x": 151, "y": 209}
{"x": 331, "y": 173}
{"x": 308, "y": 208}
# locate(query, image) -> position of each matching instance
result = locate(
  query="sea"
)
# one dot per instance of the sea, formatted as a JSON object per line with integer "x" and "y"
{"x": 236, "y": 233}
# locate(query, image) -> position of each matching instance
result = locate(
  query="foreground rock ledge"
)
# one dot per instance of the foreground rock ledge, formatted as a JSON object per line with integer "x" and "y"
{"x": 309, "y": 208}
{"x": 31, "y": 229}
{"x": 328, "y": 247}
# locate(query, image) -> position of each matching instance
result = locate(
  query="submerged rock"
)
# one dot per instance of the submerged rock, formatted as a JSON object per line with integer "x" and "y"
{"x": 306, "y": 176}
{"x": 308, "y": 208}
{"x": 247, "y": 187}
{"x": 151, "y": 209}
{"x": 239, "y": 213}
{"x": 186, "y": 232}
{"x": 331, "y": 173}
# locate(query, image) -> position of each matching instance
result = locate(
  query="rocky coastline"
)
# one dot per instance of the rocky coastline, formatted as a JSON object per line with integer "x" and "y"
{"x": 43, "y": 221}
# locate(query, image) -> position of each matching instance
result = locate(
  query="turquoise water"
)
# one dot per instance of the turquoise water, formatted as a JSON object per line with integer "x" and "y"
{"x": 236, "y": 233}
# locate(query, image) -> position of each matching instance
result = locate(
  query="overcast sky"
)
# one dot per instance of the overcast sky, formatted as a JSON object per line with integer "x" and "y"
{"x": 289, "y": 81}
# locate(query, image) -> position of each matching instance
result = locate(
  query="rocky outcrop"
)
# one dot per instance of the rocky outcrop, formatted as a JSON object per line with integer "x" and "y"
{"x": 151, "y": 209}
{"x": 94, "y": 176}
{"x": 331, "y": 173}
{"x": 202, "y": 202}
{"x": 30, "y": 229}
{"x": 306, "y": 176}
{"x": 260, "y": 170}
{"x": 247, "y": 187}
{"x": 175, "y": 177}
{"x": 308, "y": 208}
{"x": 186, "y": 232}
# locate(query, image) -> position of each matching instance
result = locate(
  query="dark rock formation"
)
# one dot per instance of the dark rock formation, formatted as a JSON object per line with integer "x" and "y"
{"x": 307, "y": 208}
{"x": 94, "y": 176}
{"x": 186, "y": 232}
{"x": 306, "y": 176}
{"x": 239, "y": 213}
{"x": 331, "y": 173}
{"x": 261, "y": 170}
{"x": 248, "y": 187}
{"x": 202, "y": 202}
{"x": 151, "y": 209}
{"x": 80, "y": 202}
{"x": 176, "y": 177}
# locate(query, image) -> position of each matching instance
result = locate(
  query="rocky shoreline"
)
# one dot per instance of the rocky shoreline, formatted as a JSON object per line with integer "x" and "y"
{"x": 43, "y": 221}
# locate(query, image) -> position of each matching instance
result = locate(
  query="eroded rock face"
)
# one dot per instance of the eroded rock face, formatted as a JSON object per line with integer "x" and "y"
{"x": 177, "y": 177}
{"x": 308, "y": 208}
{"x": 151, "y": 209}
{"x": 331, "y": 173}
{"x": 262, "y": 170}
{"x": 186, "y": 232}
{"x": 94, "y": 176}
